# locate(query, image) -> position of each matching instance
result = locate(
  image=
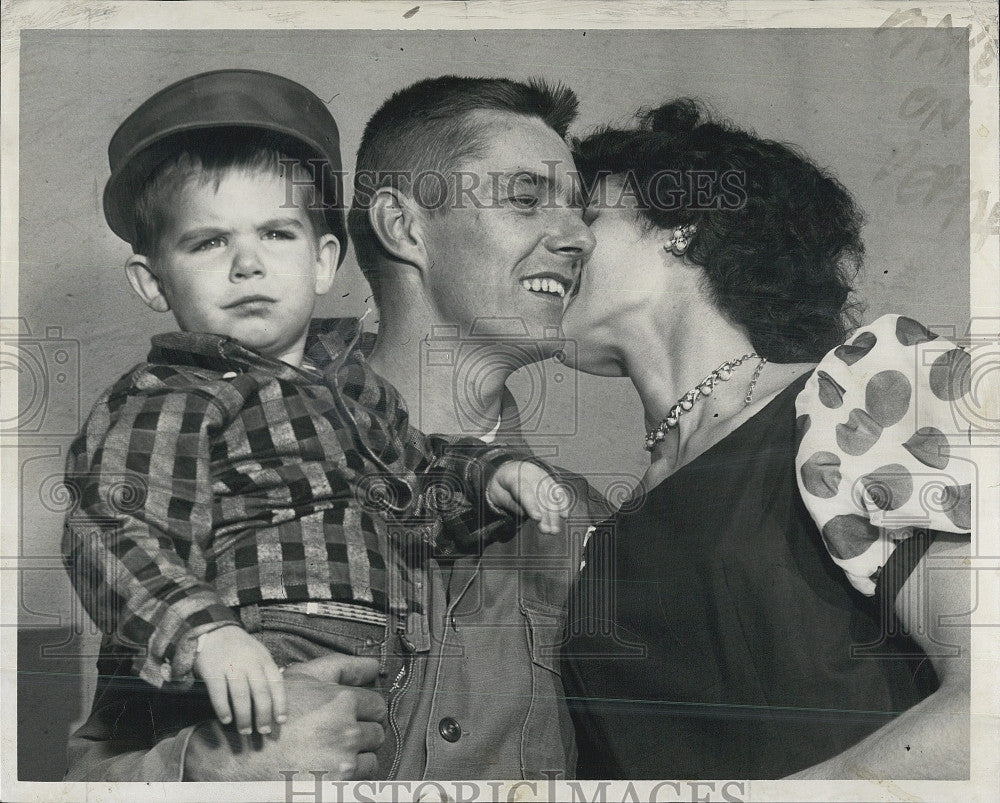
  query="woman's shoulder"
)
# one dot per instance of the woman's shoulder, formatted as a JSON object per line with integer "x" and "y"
{"x": 880, "y": 430}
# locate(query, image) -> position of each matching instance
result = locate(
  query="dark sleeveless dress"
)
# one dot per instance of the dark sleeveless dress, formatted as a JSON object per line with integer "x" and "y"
{"x": 710, "y": 634}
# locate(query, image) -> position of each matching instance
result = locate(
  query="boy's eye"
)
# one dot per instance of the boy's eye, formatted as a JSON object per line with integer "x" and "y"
{"x": 209, "y": 243}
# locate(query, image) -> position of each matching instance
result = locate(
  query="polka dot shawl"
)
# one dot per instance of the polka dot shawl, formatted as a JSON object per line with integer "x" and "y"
{"x": 881, "y": 426}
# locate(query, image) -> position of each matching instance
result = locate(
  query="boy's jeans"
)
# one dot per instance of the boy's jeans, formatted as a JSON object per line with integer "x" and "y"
{"x": 292, "y": 637}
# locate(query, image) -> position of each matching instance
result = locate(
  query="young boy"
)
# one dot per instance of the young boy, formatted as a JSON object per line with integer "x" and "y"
{"x": 249, "y": 473}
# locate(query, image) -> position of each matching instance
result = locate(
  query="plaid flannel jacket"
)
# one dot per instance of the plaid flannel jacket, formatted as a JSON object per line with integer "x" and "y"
{"x": 212, "y": 477}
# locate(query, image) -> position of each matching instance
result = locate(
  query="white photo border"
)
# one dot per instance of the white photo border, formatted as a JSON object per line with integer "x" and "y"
{"x": 980, "y": 19}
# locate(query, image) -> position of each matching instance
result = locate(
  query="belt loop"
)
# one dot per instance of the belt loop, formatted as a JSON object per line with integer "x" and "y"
{"x": 383, "y": 655}
{"x": 250, "y": 614}
{"x": 417, "y": 637}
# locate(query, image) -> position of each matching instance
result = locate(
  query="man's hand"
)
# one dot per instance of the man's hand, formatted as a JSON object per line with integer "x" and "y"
{"x": 333, "y": 726}
{"x": 523, "y": 488}
{"x": 238, "y": 669}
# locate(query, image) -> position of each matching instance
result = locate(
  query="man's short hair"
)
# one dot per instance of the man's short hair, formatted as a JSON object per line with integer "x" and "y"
{"x": 203, "y": 158}
{"x": 428, "y": 127}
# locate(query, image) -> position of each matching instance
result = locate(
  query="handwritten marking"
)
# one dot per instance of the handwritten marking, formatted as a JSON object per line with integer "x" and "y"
{"x": 984, "y": 224}
{"x": 926, "y": 102}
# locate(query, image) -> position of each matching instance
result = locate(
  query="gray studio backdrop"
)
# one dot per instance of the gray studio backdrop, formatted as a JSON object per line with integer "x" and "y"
{"x": 886, "y": 111}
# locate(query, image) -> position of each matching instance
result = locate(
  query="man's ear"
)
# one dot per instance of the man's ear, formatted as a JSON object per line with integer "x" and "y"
{"x": 397, "y": 222}
{"x": 145, "y": 283}
{"x": 327, "y": 257}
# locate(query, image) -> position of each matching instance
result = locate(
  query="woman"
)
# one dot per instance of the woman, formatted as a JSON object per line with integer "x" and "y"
{"x": 712, "y": 631}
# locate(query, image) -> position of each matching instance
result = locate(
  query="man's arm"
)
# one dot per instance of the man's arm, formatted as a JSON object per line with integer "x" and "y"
{"x": 94, "y": 759}
{"x": 135, "y": 732}
{"x": 931, "y": 739}
{"x": 138, "y": 733}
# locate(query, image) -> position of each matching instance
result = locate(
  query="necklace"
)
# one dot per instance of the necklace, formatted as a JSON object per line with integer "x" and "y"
{"x": 704, "y": 388}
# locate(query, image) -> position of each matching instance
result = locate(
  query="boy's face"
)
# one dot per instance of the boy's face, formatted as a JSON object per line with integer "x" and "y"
{"x": 238, "y": 261}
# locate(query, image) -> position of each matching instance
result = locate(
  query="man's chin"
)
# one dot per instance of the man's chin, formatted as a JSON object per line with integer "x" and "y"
{"x": 547, "y": 341}
{"x": 553, "y": 347}
{"x": 577, "y": 352}
{"x": 588, "y": 358}
{"x": 568, "y": 355}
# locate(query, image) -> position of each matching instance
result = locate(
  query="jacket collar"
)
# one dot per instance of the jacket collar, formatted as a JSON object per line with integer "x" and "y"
{"x": 329, "y": 344}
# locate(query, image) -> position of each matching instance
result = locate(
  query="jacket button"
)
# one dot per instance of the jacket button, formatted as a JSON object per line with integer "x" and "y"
{"x": 450, "y": 730}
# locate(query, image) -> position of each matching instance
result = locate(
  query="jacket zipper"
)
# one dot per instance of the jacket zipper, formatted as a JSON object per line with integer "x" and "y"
{"x": 403, "y": 677}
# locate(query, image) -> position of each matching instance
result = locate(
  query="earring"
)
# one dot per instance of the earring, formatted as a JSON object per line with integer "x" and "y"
{"x": 681, "y": 239}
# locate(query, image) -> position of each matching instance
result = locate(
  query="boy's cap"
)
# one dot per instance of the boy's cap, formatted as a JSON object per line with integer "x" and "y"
{"x": 218, "y": 100}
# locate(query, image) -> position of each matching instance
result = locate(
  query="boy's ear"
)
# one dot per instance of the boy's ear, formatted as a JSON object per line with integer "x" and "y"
{"x": 398, "y": 224}
{"x": 327, "y": 258}
{"x": 145, "y": 283}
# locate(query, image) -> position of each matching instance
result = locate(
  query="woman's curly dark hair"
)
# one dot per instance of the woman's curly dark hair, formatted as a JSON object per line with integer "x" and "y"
{"x": 777, "y": 237}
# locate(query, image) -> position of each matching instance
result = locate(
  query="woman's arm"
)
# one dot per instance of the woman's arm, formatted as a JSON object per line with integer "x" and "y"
{"x": 931, "y": 739}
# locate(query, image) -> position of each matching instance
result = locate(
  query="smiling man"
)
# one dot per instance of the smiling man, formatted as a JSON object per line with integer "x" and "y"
{"x": 494, "y": 256}
{"x": 491, "y": 258}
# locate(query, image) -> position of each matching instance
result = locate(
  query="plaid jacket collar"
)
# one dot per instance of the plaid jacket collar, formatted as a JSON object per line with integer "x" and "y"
{"x": 329, "y": 345}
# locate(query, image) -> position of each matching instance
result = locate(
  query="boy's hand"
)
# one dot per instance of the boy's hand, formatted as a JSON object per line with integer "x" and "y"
{"x": 238, "y": 669}
{"x": 523, "y": 488}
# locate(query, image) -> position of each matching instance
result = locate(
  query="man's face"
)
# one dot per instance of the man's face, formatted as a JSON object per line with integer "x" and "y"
{"x": 237, "y": 260}
{"x": 510, "y": 245}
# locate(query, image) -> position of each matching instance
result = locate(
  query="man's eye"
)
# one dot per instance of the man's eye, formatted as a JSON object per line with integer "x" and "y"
{"x": 524, "y": 201}
{"x": 279, "y": 234}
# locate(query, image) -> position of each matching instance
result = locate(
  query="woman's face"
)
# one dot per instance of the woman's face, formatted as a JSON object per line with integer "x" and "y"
{"x": 624, "y": 278}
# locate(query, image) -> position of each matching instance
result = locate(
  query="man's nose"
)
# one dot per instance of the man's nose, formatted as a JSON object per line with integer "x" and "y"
{"x": 571, "y": 237}
{"x": 246, "y": 262}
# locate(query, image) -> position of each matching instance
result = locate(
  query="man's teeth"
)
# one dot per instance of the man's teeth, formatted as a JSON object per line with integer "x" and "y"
{"x": 553, "y": 286}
